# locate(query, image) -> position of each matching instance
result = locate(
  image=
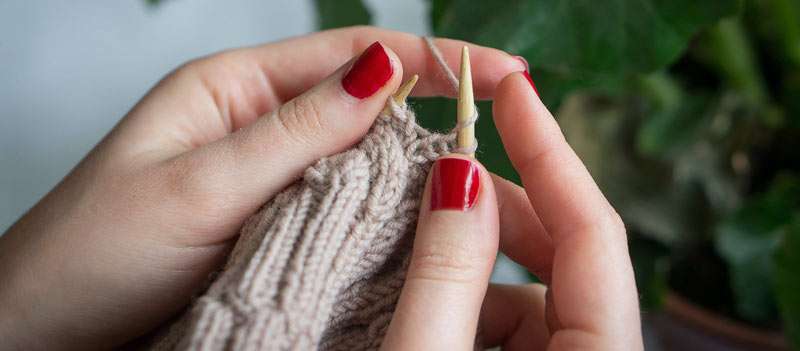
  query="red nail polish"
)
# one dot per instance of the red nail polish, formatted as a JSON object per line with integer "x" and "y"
{"x": 454, "y": 184}
{"x": 369, "y": 73}
{"x": 530, "y": 80}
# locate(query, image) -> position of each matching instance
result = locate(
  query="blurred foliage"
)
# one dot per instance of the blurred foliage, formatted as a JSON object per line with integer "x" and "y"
{"x": 787, "y": 261}
{"x": 747, "y": 240}
{"x": 580, "y": 43}
{"x": 341, "y": 13}
{"x": 650, "y": 261}
{"x": 687, "y": 113}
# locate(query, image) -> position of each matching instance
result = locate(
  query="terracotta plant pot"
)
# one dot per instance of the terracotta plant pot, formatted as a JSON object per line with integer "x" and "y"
{"x": 685, "y": 326}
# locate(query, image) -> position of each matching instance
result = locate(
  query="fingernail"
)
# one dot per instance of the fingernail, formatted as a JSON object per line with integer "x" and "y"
{"x": 527, "y": 73}
{"x": 530, "y": 80}
{"x": 454, "y": 184}
{"x": 524, "y": 62}
{"x": 369, "y": 73}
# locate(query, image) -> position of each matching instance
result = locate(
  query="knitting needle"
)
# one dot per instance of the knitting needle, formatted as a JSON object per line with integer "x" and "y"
{"x": 403, "y": 92}
{"x": 466, "y": 105}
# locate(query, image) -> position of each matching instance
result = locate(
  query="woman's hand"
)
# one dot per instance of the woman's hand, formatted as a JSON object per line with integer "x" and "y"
{"x": 125, "y": 239}
{"x": 559, "y": 226}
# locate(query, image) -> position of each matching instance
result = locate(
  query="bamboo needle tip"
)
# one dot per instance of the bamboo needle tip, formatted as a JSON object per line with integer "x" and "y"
{"x": 466, "y": 104}
{"x": 405, "y": 90}
{"x": 465, "y": 94}
{"x": 464, "y": 57}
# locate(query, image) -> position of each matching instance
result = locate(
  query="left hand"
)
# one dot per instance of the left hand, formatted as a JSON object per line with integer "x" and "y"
{"x": 123, "y": 242}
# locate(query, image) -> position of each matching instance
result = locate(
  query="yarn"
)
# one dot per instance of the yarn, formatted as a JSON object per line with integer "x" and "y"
{"x": 322, "y": 264}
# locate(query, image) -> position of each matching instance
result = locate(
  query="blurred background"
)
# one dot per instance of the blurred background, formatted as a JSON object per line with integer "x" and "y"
{"x": 685, "y": 112}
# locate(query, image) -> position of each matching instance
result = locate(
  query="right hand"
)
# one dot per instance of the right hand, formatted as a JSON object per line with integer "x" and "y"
{"x": 559, "y": 226}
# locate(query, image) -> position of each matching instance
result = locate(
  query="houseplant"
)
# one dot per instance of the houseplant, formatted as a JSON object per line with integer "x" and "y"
{"x": 688, "y": 116}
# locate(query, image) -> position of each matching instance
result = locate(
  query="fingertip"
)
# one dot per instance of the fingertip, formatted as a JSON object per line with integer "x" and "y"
{"x": 516, "y": 99}
{"x": 452, "y": 258}
{"x": 516, "y": 84}
{"x": 495, "y": 66}
{"x": 459, "y": 182}
{"x": 397, "y": 68}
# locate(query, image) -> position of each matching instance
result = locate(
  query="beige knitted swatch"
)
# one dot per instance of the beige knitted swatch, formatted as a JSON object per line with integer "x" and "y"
{"x": 322, "y": 264}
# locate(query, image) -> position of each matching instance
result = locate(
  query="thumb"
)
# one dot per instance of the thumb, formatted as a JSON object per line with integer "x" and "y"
{"x": 252, "y": 164}
{"x": 454, "y": 251}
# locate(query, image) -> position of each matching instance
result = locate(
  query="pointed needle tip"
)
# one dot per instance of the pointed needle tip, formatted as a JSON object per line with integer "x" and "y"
{"x": 466, "y": 103}
{"x": 465, "y": 94}
{"x": 405, "y": 90}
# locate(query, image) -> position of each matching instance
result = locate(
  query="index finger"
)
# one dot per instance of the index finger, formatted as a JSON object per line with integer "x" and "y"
{"x": 295, "y": 64}
{"x": 592, "y": 282}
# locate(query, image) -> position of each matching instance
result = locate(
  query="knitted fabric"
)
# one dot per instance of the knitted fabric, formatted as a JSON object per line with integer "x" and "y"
{"x": 321, "y": 265}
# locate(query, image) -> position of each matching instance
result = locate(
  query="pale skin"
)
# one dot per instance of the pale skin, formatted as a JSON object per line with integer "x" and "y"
{"x": 122, "y": 243}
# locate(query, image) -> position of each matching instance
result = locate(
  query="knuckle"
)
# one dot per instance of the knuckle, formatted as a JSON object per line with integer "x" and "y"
{"x": 530, "y": 163}
{"x": 207, "y": 68}
{"x": 218, "y": 59}
{"x": 608, "y": 223}
{"x": 192, "y": 68}
{"x": 603, "y": 226}
{"x": 616, "y": 224}
{"x": 188, "y": 67}
{"x": 449, "y": 263}
{"x": 301, "y": 118}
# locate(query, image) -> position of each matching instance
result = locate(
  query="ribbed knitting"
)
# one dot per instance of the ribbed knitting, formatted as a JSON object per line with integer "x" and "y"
{"x": 321, "y": 265}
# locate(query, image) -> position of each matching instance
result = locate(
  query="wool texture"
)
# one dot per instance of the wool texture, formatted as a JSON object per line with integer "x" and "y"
{"x": 321, "y": 265}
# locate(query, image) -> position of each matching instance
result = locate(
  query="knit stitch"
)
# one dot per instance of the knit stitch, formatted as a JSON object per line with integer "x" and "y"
{"x": 322, "y": 264}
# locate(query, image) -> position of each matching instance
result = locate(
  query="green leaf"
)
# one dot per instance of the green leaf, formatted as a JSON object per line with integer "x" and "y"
{"x": 749, "y": 257}
{"x": 727, "y": 49}
{"x": 787, "y": 281}
{"x": 673, "y": 118}
{"x": 579, "y": 43}
{"x": 779, "y": 23}
{"x": 747, "y": 241}
{"x": 572, "y": 45}
{"x": 341, "y": 13}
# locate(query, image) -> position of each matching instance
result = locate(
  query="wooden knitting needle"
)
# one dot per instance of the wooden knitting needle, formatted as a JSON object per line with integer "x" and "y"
{"x": 466, "y": 105}
{"x": 403, "y": 92}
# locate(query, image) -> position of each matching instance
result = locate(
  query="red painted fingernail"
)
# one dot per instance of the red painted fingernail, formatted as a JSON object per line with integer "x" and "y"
{"x": 454, "y": 184}
{"x": 530, "y": 80}
{"x": 369, "y": 73}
